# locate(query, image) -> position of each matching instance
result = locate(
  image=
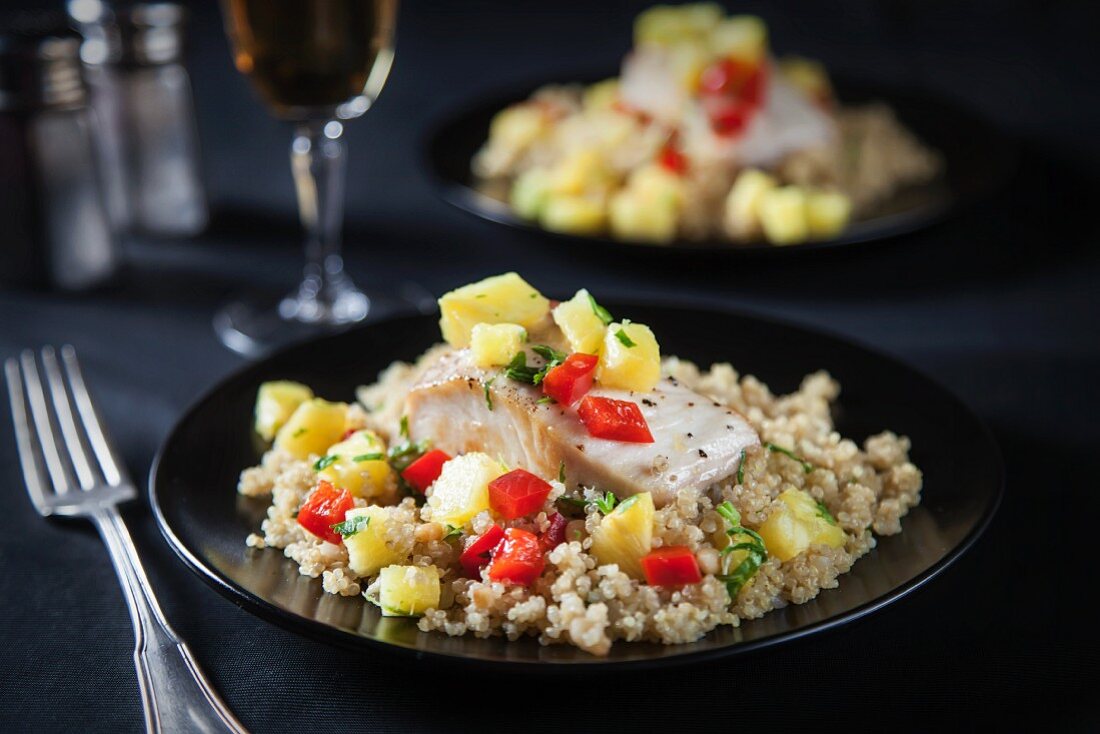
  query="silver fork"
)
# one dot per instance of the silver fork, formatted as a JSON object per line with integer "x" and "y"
{"x": 72, "y": 470}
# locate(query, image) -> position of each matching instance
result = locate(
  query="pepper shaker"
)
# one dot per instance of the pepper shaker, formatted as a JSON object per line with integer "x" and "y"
{"x": 53, "y": 217}
{"x": 141, "y": 92}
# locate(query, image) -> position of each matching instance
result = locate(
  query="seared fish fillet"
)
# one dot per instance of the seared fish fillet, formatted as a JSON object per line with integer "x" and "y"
{"x": 696, "y": 441}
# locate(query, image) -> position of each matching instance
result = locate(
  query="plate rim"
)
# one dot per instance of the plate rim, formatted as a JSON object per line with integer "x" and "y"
{"x": 313, "y": 629}
{"x": 898, "y": 225}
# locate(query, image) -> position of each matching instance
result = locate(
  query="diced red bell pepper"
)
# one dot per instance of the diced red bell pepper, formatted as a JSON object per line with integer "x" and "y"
{"x": 616, "y": 420}
{"x": 729, "y": 118}
{"x": 671, "y": 565}
{"x": 555, "y": 534}
{"x": 571, "y": 379}
{"x": 725, "y": 77}
{"x": 518, "y": 559}
{"x": 479, "y": 551}
{"x": 517, "y": 493}
{"x": 324, "y": 507}
{"x": 425, "y": 470}
{"x": 753, "y": 91}
{"x": 671, "y": 159}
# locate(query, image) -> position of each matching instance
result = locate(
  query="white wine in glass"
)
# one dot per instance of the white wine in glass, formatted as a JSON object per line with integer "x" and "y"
{"x": 315, "y": 63}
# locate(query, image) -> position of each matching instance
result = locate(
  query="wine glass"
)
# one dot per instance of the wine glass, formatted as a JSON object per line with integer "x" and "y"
{"x": 317, "y": 64}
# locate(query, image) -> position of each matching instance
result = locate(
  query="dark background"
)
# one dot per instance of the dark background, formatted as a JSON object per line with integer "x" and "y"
{"x": 1000, "y": 306}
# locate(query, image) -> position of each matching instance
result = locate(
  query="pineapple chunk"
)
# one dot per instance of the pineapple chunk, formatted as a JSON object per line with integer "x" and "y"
{"x": 374, "y": 547}
{"x": 518, "y": 126}
{"x": 648, "y": 209}
{"x": 582, "y": 171}
{"x": 636, "y": 367}
{"x": 313, "y": 426}
{"x": 783, "y": 215}
{"x": 808, "y": 76}
{"x": 688, "y": 59}
{"x": 578, "y": 321}
{"x": 462, "y": 489}
{"x": 573, "y": 215}
{"x": 632, "y": 217}
{"x": 530, "y": 191}
{"x": 275, "y": 402}
{"x": 408, "y": 591}
{"x": 496, "y": 344}
{"x": 601, "y": 95}
{"x": 348, "y": 465}
{"x": 743, "y": 203}
{"x": 665, "y": 24}
{"x": 624, "y": 536}
{"x": 740, "y": 37}
{"x": 500, "y": 299}
{"x": 827, "y": 213}
{"x": 656, "y": 184}
{"x": 795, "y": 524}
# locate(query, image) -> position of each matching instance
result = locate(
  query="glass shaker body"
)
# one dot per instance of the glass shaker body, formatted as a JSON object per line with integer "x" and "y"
{"x": 147, "y": 115}
{"x": 53, "y": 218}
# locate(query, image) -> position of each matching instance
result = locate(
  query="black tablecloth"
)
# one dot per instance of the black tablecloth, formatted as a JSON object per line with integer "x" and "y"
{"x": 1000, "y": 306}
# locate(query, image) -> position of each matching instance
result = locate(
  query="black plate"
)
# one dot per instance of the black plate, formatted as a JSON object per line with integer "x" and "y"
{"x": 977, "y": 161}
{"x": 193, "y": 482}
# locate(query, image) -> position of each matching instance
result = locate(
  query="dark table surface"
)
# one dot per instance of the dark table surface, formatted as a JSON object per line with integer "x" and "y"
{"x": 1000, "y": 306}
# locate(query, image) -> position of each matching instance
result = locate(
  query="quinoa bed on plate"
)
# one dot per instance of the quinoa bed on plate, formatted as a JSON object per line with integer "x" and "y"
{"x": 575, "y": 600}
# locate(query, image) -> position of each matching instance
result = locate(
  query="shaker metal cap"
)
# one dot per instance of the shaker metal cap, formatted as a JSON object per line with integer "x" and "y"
{"x": 39, "y": 62}
{"x": 129, "y": 34}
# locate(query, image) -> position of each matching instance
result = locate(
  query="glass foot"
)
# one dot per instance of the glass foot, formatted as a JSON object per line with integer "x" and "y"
{"x": 255, "y": 324}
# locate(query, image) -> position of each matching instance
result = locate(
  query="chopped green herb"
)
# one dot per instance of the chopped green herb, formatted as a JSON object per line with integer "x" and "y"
{"x": 806, "y": 466}
{"x": 577, "y": 535}
{"x": 601, "y": 313}
{"x": 561, "y": 472}
{"x": 575, "y": 502}
{"x": 545, "y": 400}
{"x": 520, "y": 371}
{"x": 325, "y": 461}
{"x": 377, "y": 456}
{"x": 348, "y": 528}
{"x": 741, "y": 468}
{"x": 824, "y": 514}
{"x": 489, "y": 395}
{"x": 625, "y": 340}
{"x": 549, "y": 353}
{"x": 482, "y": 295}
{"x": 608, "y": 501}
{"x": 534, "y": 295}
{"x": 453, "y": 531}
{"x": 299, "y": 432}
{"x": 755, "y": 551}
{"x": 404, "y": 453}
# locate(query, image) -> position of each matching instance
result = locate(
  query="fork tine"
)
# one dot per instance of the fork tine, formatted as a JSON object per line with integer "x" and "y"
{"x": 112, "y": 467}
{"x": 40, "y": 413}
{"x": 30, "y": 452}
{"x": 78, "y": 454}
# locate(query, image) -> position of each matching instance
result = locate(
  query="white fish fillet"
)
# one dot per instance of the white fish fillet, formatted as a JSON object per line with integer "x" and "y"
{"x": 696, "y": 441}
{"x": 788, "y": 121}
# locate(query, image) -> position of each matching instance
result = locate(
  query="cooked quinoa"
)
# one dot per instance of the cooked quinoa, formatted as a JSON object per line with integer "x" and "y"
{"x": 868, "y": 490}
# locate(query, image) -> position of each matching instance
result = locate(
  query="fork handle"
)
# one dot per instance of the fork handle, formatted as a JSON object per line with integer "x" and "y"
{"x": 176, "y": 695}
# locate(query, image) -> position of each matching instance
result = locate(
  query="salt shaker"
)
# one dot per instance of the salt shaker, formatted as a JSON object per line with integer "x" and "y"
{"x": 53, "y": 218}
{"x": 141, "y": 92}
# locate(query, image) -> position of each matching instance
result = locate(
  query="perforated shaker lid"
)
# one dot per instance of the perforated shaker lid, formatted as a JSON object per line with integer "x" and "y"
{"x": 39, "y": 62}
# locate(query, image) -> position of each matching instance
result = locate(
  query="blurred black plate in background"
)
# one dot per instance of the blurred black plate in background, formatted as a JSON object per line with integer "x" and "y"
{"x": 978, "y": 160}
{"x": 194, "y": 479}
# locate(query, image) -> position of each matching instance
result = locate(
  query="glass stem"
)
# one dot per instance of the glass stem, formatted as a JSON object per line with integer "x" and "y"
{"x": 318, "y": 157}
